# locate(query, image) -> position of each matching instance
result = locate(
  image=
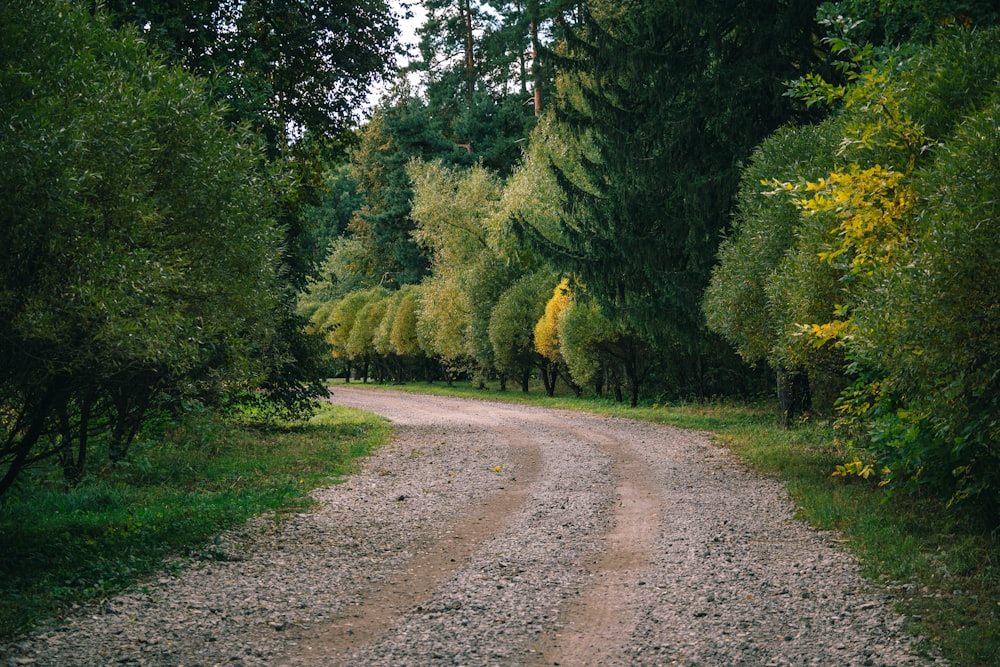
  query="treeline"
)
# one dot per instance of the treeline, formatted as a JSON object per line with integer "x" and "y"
{"x": 570, "y": 141}
{"x": 864, "y": 258}
{"x": 155, "y": 163}
{"x": 670, "y": 199}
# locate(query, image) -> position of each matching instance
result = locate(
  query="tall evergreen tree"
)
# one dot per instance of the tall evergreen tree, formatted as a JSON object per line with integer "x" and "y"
{"x": 670, "y": 96}
{"x": 474, "y": 64}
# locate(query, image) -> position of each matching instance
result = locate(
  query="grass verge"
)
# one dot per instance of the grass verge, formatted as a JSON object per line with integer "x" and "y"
{"x": 179, "y": 489}
{"x": 942, "y": 567}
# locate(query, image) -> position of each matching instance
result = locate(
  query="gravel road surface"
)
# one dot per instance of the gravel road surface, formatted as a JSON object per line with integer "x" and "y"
{"x": 494, "y": 534}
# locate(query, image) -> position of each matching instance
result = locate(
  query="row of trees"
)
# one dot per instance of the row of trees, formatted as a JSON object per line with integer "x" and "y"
{"x": 553, "y": 198}
{"x": 151, "y": 229}
{"x": 864, "y": 258}
{"x": 489, "y": 308}
{"x": 608, "y": 177}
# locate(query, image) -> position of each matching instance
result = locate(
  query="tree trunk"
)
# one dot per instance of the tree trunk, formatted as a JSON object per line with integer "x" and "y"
{"x": 74, "y": 462}
{"x": 562, "y": 371}
{"x": 549, "y": 376}
{"x": 536, "y": 70}
{"x": 36, "y": 427}
{"x": 793, "y": 394}
{"x": 470, "y": 63}
{"x": 129, "y": 411}
{"x": 616, "y": 386}
{"x": 633, "y": 378}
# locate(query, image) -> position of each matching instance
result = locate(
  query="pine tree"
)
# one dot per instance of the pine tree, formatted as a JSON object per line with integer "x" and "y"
{"x": 669, "y": 96}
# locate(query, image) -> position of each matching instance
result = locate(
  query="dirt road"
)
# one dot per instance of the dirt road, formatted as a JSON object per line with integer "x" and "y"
{"x": 492, "y": 534}
{"x": 644, "y": 545}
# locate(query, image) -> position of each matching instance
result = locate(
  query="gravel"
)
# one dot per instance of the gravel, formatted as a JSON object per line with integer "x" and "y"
{"x": 492, "y": 534}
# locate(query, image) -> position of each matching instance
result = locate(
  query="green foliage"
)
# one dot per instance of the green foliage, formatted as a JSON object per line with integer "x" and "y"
{"x": 404, "y": 335}
{"x": 512, "y": 324}
{"x": 885, "y": 259}
{"x": 454, "y": 211}
{"x": 350, "y": 324}
{"x": 296, "y": 74}
{"x": 770, "y": 278}
{"x": 471, "y": 64}
{"x": 339, "y": 202}
{"x": 443, "y": 319}
{"x": 584, "y": 336}
{"x": 932, "y": 328}
{"x": 276, "y": 63}
{"x": 487, "y": 279}
{"x": 896, "y": 22}
{"x": 668, "y": 100}
{"x": 141, "y": 250}
{"x": 361, "y": 342}
{"x": 395, "y": 135}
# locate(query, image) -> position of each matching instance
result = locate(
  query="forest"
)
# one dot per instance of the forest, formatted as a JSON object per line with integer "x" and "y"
{"x": 654, "y": 200}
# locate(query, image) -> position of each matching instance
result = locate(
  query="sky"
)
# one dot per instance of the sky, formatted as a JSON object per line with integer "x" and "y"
{"x": 407, "y": 38}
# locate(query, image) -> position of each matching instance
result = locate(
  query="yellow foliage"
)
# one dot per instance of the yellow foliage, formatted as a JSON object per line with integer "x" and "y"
{"x": 870, "y": 205}
{"x": 547, "y": 329}
{"x": 855, "y": 468}
{"x": 821, "y": 334}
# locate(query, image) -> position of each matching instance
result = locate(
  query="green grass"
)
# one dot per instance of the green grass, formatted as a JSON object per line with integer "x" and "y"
{"x": 942, "y": 567}
{"x": 178, "y": 491}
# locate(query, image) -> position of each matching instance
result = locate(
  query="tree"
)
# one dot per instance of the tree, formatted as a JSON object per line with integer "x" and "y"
{"x": 404, "y": 335}
{"x": 455, "y": 210}
{"x": 468, "y": 52}
{"x": 339, "y": 202}
{"x": 443, "y": 322}
{"x": 339, "y": 323}
{"x": 888, "y": 207}
{"x": 547, "y": 341}
{"x": 512, "y": 325}
{"x": 396, "y": 134}
{"x": 770, "y": 278}
{"x": 922, "y": 330}
{"x": 141, "y": 254}
{"x": 670, "y": 97}
{"x": 286, "y": 67}
{"x": 601, "y": 351}
{"x": 297, "y": 73}
{"x": 360, "y": 344}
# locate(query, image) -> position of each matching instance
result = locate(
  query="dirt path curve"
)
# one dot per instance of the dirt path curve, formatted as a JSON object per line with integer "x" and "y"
{"x": 647, "y": 545}
{"x": 493, "y": 534}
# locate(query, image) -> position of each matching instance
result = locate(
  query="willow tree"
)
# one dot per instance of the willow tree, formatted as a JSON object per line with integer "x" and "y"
{"x": 140, "y": 251}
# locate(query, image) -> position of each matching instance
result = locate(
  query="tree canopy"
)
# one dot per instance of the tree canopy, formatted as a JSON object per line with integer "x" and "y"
{"x": 141, "y": 250}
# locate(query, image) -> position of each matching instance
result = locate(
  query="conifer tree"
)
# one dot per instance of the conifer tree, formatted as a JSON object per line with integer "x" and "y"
{"x": 670, "y": 96}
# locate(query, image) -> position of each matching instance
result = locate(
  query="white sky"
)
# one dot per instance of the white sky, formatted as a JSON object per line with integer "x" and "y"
{"x": 407, "y": 38}
{"x": 408, "y": 27}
